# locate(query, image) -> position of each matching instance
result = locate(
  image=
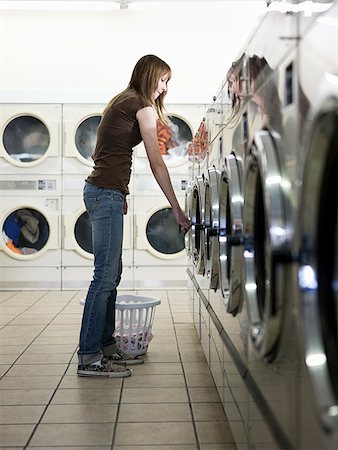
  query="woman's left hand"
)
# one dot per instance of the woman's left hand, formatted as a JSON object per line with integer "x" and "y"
{"x": 125, "y": 207}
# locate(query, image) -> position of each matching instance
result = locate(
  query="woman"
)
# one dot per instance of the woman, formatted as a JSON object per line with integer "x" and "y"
{"x": 128, "y": 118}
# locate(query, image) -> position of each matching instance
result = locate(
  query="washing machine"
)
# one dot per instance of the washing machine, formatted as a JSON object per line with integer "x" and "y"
{"x": 77, "y": 251}
{"x": 160, "y": 258}
{"x": 30, "y": 250}
{"x": 318, "y": 231}
{"x": 30, "y": 139}
{"x": 80, "y": 122}
{"x": 174, "y": 139}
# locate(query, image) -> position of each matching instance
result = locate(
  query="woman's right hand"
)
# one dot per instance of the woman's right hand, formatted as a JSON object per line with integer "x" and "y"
{"x": 181, "y": 219}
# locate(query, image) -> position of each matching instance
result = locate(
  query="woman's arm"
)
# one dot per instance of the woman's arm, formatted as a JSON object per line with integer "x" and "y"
{"x": 147, "y": 122}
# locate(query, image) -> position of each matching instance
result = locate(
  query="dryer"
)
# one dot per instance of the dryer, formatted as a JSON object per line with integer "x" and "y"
{"x": 80, "y": 122}
{"x": 317, "y": 220}
{"x": 30, "y": 139}
{"x": 30, "y": 251}
{"x": 160, "y": 258}
{"x": 77, "y": 252}
{"x": 174, "y": 139}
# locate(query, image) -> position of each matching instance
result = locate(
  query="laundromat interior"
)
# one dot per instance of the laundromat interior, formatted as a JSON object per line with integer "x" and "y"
{"x": 237, "y": 319}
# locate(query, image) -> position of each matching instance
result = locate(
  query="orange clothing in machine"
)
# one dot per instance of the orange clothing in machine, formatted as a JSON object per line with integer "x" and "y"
{"x": 164, "y": 136}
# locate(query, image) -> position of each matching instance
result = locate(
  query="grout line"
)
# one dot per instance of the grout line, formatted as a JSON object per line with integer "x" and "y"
{"x": 185, "y": 381}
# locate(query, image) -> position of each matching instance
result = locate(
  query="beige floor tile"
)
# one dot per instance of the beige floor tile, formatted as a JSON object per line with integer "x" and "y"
{"x": 22, "y": 397}
{"x": 160, "y": 356}
{"x": 200, "y": 380}
{"x": 50, "y": 340}
{"x": 231, "y": 446}
{"x": 22, "y": 340}
{"x": 93, "y": 447}
{"x": 201, "y": 394}
{"x": 214, "y": 432}
{"x": 15, "y": 435}
{"x": 193, "y": 356}
{"x": 196, "y": 367}
{"x": 156, "y": 447}
{"x": 12, "y": 349}
{"x": 8, "y": 359}
{"x": 20, "y": 331}
{"x": 80, "y": 413}
{"x": 32, "y": 319}
{"x": 27, "y": 370}
{"x": 86, "y": 396}
{"x": 155, "y": 381}
{"x": 86, "y": 447}
{"x": 61, "y": 348}
{"x": 20, "y": 414}
{"x": 154, "y": 395}
{"x": 157, "y": 368}
{"x": 73, "y": 434}
{"x": 162, "y": 412}
{"x": 162, "y": 433}
{"x": 33, "y": 382}
{"x": 208, "y": 412}
{"x": 41, "y": 358}
{"x": 75, "y": 382}
{"x": 3, "y": 369}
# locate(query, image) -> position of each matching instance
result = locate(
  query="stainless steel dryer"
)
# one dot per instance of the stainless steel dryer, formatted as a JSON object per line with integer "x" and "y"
{"x": 318, "y": 230}
{"x": 268, "y": 228}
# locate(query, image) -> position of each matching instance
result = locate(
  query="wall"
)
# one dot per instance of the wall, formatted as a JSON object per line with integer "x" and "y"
{"x": 87, "y": 56}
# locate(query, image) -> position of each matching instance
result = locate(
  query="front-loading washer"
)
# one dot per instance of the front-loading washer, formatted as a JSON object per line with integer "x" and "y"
{"x": 160, "y": 258}
{"x": 30, "y": 139}
{"x": 77, "y": 251}
{"x": 318, "y": 231}
{"x": 80, "y": 123}
{"x": 174, "y": 139}
{"x": 30, "y": 250}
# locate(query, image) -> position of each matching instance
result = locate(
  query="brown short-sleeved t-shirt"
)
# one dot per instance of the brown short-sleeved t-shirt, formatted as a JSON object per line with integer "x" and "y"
{"x": 117, "y": 134}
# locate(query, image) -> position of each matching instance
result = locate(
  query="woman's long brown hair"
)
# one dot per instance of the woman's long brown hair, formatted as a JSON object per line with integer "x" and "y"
{"x": 144, "y": 80}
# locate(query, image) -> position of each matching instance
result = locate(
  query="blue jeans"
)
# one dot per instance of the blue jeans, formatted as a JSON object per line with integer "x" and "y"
{"x": 105, "y": 208}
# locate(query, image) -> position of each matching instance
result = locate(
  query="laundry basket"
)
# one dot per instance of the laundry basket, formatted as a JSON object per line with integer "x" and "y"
{"x": 133, "y": 322}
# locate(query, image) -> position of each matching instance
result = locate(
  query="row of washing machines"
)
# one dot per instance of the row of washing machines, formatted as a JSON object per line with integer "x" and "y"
{"x": 263, "y": 246}
{"x": 45, "y": 156}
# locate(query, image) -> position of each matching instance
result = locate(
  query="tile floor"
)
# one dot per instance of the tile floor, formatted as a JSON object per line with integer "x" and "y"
{"x": 169, "y": 403}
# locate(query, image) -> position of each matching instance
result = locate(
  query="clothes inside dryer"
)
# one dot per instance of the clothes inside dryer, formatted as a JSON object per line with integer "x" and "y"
{"x": 26, "y": 139}
{"x": 25, "y": 231}
{"x": 174, "y": 138}
{"x": 85, "y": 137}
{"x": 163, "y": 232}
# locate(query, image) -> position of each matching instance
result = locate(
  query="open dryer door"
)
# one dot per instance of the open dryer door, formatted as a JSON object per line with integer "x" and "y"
{"x": 267, "y": 242}
{"x": 211, "y": 243}
{"x": 318, "y": 270}
{"x": 197, "y": 224}
{"x": 231, "y": 232}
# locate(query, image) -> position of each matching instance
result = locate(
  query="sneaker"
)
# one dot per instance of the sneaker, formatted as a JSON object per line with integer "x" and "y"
{"x": 104, "y": 368}
{"x": 121, "y": 357}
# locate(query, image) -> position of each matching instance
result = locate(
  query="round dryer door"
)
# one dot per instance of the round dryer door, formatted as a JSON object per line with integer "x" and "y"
{"x": 25, "y": 233}
{"x": 187, "y": 209}
{"x": 267, "y": 247}
{"x": 163, "y": 233}
{"x": 318, "y": 270}
{"x": 83, "y": 233}
{"x": 85, "y": 138}
{"x": 197, "y": 224}
{"x": 211, "y": 249}
{"x": 26, "y": 140}
{"x": 174, "y": 140}
{"x": 230, "y": 233}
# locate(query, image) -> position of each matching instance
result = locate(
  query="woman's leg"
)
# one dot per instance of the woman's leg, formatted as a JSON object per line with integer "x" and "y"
{"x": 105, "y": 208}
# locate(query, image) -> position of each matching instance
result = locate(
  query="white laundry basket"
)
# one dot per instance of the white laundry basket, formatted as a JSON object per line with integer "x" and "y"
{"x": 133, "y": 322}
